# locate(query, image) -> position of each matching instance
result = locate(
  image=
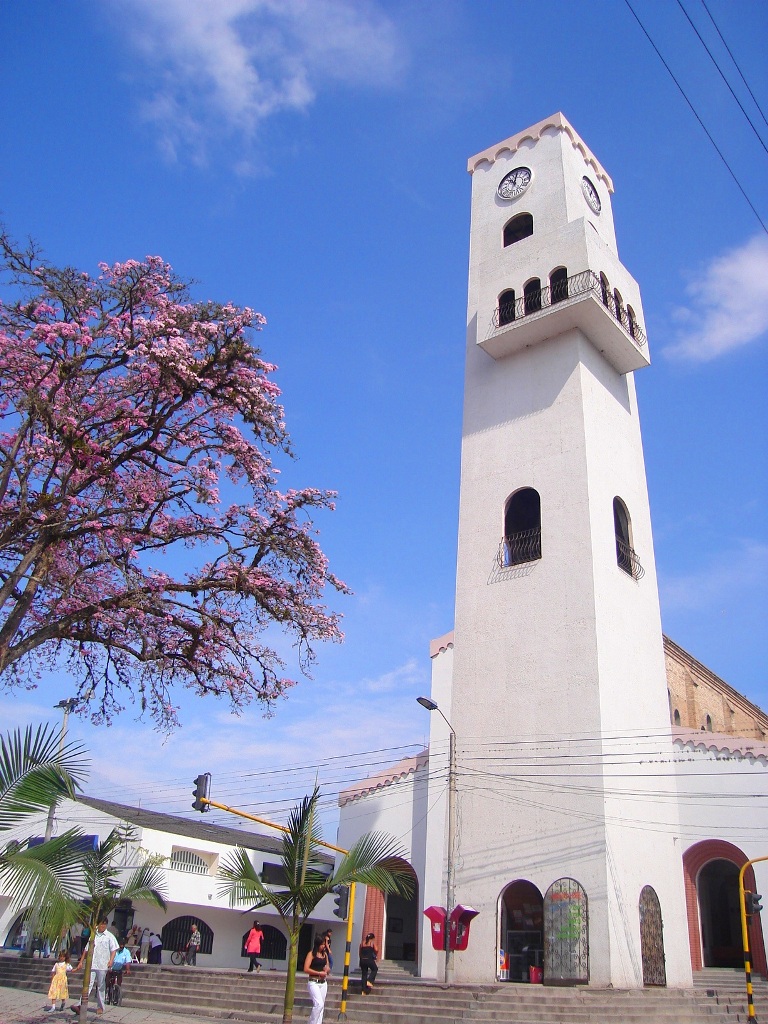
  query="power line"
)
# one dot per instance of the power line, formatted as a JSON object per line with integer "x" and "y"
{"x": 695, "y": 114}
{"x": 735, "y": 62}
{"x": 722, "y": 75}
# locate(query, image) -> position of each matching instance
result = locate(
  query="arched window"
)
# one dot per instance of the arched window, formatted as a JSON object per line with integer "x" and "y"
{"x": 631, "y": 321}
{"x": 558, "y": 285}
{"x": 175, "y": 934}
{"x": 605, "y": 291}
{"x": 677, "y": 717}
{"x": 625, "y": 555}
{"x": 507, "y": 307}
{"x": 652, "y": 938}
{"x": 187, "y": 860}
{"x": 532, "y": 295}
{"x": 619, "y": 305}
{"x": 274, "y": 945}
{"x": 522, "y": 527}
{"x": 709, "y": 723}
{"x": 519, "y": 227}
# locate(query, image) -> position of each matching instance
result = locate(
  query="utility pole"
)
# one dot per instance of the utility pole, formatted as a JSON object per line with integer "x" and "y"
{"x": 450, "y": 885}
{"x": 66, "y": 705}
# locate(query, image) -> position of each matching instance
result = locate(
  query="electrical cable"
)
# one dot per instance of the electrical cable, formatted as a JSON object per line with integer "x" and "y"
{"x": 696, "y": 115}
{"x": 722, "y": 75}
{"x": 735, "y": 62}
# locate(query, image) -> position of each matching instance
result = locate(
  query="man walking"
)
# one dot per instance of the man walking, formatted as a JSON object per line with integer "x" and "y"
{"x": 104, "y": 949}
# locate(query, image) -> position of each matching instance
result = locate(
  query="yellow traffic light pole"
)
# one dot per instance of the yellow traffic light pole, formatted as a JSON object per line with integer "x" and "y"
{"x": 328, "y": 846}
{"x": 751, "y": 1019}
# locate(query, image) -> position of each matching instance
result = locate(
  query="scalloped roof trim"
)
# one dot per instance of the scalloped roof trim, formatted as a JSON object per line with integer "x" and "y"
{"x": 442, "y": 643}
{"x": 719, "y": 743}
{"x": 534, "y": 133}
{"x": 398, "y": 772}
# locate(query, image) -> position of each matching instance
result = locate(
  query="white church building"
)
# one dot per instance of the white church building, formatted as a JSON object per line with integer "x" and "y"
{"x": 607, "y": 786}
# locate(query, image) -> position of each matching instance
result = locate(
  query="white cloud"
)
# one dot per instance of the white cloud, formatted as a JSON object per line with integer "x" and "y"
{"x": 229, "y": 64}
{"x": 719, "y": 581}
{"x": 729, "y": 305}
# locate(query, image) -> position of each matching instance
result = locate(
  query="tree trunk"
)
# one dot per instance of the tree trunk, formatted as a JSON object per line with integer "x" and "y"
{"x": 290, "y": 979}
{"x": 87, "y": 977}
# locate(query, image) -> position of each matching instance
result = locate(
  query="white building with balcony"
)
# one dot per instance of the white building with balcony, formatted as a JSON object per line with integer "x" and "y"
{"x": 191, "y": 852}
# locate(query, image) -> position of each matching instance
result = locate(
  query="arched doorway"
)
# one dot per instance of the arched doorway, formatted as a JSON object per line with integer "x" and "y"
{"x": 566, "y": 934}
{"x": 711, "y": 871}
{"x": 521, "y": 913}
{"x": 652, "y": 938}
{"x": 719, "y": 917}
{"x": 394, "y": 920}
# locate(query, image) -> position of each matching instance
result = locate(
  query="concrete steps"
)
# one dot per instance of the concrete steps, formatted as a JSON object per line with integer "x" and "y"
{"x": 717, "y": 998}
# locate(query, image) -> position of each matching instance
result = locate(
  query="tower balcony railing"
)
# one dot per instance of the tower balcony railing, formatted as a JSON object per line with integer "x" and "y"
{"x": 628, "y": 560}
{"x": 520, "y": 547}
{"x": 585, "y": 283}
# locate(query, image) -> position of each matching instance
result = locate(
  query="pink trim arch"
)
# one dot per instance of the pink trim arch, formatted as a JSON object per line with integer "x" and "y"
{"x": 694, "y": 859}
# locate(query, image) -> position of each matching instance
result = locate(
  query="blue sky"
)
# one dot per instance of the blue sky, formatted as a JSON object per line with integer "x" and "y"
{"x": 308, "y": 159}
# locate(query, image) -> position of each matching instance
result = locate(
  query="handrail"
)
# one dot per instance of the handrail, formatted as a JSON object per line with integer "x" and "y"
{"x": 520, "y": 547}
{"x": 574, "y": 287}
{"x": 628, "y": 560}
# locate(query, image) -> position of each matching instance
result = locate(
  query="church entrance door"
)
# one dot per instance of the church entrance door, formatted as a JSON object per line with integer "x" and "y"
{"x": 718, "y": 888}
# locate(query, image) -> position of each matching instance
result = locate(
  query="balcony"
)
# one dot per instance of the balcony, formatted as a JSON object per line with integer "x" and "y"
{"x": 628, "y": 560}
{"x": 579, "y": 302}
{"x": 519, "y": 548}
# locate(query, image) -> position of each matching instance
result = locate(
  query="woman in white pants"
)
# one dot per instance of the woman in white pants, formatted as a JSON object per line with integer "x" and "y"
{"x": 316, "y": 967}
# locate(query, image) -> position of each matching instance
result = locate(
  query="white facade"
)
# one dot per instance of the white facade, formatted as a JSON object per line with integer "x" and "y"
{"x": 185, "y": 847}
{"x": 554, "y": 679}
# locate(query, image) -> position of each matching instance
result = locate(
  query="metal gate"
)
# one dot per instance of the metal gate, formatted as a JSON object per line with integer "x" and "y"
{"x": 652, "y": 938}
{"x": 566, "y": 943}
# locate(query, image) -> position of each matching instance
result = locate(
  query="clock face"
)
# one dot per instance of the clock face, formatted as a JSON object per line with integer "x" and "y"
{"x": 515, "y": 183}
{"x": 590, "y": 194}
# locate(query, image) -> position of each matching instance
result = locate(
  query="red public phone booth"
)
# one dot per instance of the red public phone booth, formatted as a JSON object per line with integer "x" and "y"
{"x": 461, "y": 918}
{"x": 436, "y": 916}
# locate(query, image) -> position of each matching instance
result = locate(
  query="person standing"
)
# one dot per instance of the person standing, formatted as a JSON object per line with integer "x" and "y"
{"x": 144, "y": 946}
{"x": 155, "y": 949}
{"x": 253, "y": 942}
{"x": 104, "y": 949}
{"x": 328, "y": 935}
{"x": 59, "y": 988}
{"x": 193, "y": 946}
{"x": 369, "y": 954}
{"x": 316, "y": 967}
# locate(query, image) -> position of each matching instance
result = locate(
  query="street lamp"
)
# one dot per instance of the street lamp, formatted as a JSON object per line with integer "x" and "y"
{"x": 430, "y": 705}
{"x": 66, "y": 705}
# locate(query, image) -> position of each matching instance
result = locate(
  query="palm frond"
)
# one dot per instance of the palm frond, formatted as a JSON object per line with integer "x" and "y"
{"x": 147, "y": 884}
{"x": 33, "y": 774}
{"x": 47, "y": 877}
{"x": 376, "y": 860}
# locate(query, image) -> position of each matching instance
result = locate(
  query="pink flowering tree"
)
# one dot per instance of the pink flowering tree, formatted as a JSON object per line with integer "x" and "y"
{"x": 143, "y": 538}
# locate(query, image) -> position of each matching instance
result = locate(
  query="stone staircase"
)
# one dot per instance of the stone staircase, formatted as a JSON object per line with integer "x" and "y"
{"x": 717, "y": 998}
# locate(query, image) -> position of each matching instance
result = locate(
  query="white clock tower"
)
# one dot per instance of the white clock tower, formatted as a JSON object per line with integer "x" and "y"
{"x": 566, "y": 798}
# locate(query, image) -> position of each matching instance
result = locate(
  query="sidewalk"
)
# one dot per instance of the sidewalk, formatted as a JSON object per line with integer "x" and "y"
{"x": 18, "y": 1006}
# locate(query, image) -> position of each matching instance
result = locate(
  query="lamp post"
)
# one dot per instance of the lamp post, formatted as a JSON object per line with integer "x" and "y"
{"x": 430, "y": 705}
{"x": 67, "y": 706}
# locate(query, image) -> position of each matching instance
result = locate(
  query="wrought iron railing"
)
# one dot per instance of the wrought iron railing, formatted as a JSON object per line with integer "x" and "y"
{"x": 574, "y": 287}
{"x": 523, "y": 546}
{"x": 628, "y": 560}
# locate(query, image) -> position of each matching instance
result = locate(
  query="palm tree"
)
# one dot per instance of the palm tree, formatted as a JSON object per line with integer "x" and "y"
{"x": 372, "y": 861}
{"x": 35, "y": 771}
{"x": 103, "y": 886}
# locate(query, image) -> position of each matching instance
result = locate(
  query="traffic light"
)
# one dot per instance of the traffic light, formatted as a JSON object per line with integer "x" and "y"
{"x": 752, "y": 901}
{"x": 201, "y": 792}
{"x": 341, "y": 901}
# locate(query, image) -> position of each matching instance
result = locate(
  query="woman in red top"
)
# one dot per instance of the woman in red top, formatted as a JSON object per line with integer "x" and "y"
{"x": 253, "y": 946}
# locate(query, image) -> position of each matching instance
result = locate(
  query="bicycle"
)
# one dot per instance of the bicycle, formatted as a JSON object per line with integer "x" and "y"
{"x": 179, "y": 957}
{"x": 114, "y": 993}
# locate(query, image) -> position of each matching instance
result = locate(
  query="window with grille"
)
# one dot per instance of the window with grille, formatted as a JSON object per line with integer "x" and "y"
{"x": 186, "y": 860}
{"x": 175, "y": 934}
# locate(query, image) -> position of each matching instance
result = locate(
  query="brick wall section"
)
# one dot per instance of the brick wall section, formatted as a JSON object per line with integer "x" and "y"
{"x": 695, "y": 692}
{"x": 373, "y": 920}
